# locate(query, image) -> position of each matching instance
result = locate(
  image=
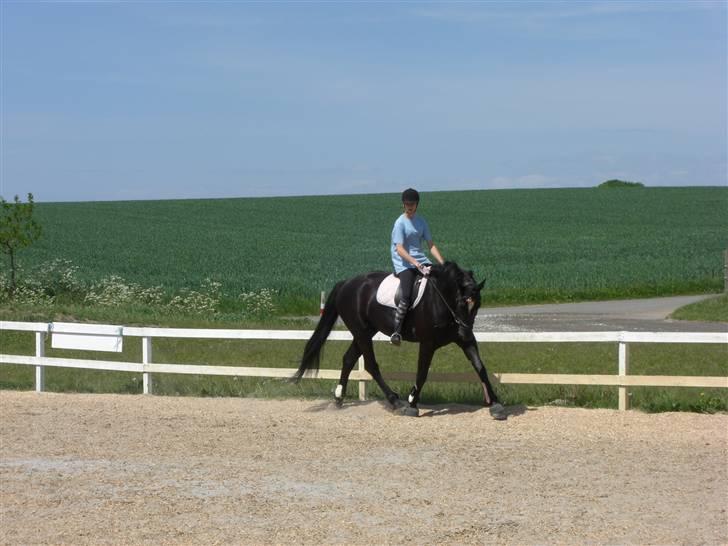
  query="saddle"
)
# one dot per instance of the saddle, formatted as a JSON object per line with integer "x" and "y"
{"x": 388, "y": 292}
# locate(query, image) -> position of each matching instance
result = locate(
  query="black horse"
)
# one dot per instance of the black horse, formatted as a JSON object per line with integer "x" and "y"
{"x": 445, "y": 315}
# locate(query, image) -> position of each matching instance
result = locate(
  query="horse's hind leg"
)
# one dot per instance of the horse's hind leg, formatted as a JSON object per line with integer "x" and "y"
{"x": 350, "y": 357}
{"x": 371, "y": 366}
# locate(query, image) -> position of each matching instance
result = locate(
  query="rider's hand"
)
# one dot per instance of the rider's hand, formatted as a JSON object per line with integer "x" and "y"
{"x": 424, "y": 269}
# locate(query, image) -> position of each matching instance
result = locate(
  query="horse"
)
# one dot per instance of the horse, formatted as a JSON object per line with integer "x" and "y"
{"x": 445, "y": 315}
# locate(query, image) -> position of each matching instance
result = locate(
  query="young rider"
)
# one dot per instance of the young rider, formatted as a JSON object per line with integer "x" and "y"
{"x": 408, "y": 256}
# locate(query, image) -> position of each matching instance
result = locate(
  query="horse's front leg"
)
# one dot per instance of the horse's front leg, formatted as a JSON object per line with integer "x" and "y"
{"x": 423, "y": 367}
{"x": 470, "y": 348}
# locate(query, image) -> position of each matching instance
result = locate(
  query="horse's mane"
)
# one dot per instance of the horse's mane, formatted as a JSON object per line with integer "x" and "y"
{"x": 448, "y": 273}
{"x": 451, "y": 279}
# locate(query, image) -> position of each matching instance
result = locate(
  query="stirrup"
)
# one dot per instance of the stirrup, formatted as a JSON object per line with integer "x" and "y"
{"x": 396, "y": 339}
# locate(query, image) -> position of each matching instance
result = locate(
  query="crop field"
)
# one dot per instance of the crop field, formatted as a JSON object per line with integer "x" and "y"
{"x": 532, "y": 245}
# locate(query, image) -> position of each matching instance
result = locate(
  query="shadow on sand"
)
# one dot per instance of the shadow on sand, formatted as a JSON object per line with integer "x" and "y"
{"x": 455, "y": 409}
{"x": 425, "y": 410}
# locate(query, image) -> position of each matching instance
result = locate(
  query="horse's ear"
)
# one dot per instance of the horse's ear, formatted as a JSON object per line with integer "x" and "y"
{"x": 472, "y": 276}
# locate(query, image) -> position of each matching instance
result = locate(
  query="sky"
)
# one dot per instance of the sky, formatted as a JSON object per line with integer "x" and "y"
{"x": 177, "y": 100}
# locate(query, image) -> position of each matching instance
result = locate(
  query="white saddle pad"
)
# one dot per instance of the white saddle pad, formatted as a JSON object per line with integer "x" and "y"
{"x": 389, "y": 287}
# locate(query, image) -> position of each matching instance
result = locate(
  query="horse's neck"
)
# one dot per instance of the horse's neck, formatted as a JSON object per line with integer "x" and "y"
{"x": 449, "y": 293}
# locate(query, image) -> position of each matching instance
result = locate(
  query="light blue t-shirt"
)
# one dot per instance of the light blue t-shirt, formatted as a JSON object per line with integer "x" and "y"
{"x": 413, "y": 236}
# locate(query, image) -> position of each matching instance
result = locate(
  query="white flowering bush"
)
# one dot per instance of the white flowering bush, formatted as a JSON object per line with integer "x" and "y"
{"x": 113, "y": 291}
{"x": 257, "y": 304}
{"x": 203, "y": 302}
{"x": 43, "y": 284}
{"x": 27, "y": 292}
{"x": 4, "y": 287}
{"x": 59, "y": 276}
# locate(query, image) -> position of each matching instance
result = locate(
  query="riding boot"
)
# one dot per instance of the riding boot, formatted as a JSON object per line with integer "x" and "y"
{"x": 399, "y": 315}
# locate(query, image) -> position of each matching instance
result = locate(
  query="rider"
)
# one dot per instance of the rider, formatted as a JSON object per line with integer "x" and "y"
{"x": 408, "y": 257}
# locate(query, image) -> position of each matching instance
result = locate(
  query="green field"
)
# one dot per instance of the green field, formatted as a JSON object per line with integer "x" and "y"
{"x": 554, "y": 358}
{"x": 532, "y": 245}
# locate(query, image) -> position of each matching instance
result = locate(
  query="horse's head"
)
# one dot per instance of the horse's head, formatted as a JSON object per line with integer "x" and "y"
{"x": 463, "y": 291}
{"x": 468, "y": 301}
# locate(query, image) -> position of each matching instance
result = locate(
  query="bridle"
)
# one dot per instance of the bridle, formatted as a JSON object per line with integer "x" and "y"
{"x": 457, "y": 319}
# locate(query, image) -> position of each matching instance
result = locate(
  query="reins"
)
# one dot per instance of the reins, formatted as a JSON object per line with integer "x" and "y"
{"x": 457, "y": 319}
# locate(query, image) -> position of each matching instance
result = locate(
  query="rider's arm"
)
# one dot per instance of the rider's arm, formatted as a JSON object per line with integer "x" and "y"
{"x": 406, "y": 255}
{"x": 435, "y": 252}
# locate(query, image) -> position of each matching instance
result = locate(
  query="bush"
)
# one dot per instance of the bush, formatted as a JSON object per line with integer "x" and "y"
{"x": 206, "y": 301}
{"x": 614, "y": 183}
{"x": 113, "y": 291}
{"x": 59, "y": 278}
{"x": 257, "y": 304}
{"x": 44, "y": 284}
{"x": 27, "y": 292}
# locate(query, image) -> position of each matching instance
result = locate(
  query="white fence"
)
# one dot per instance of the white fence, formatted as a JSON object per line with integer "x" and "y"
{"x": 104, "y": 337}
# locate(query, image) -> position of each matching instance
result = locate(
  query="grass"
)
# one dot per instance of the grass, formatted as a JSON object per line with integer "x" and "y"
{"x": 710, "y": 310}
{"x": 532, "y": 245}
{"x": 593, "y": 358}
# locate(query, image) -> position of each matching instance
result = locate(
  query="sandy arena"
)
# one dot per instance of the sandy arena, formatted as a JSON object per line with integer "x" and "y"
{"x": 106, "y": 469}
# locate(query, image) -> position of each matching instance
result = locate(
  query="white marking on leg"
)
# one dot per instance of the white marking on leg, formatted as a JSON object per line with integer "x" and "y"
{"x": 339, "y": 390}
{"x": 485, "y": 393}
{"x": 411, "y": 398}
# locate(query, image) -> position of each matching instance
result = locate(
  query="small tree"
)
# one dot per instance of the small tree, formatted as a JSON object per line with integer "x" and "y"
{"x": 17, "y": 230}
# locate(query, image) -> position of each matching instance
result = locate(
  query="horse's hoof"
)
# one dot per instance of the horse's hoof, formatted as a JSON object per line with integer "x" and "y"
{"x": 411, "y": 412}
{"x": 498, "y": 412}
{"x": 339, "y": 403}
{"x": 407, "y": 411}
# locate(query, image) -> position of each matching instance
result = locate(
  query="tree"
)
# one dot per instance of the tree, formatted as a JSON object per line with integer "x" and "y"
{"x": 18, "y": 230}
{"x": 620, "y": 184}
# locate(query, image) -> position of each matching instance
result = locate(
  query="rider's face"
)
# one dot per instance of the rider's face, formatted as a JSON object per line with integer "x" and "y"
{"x": 410, "y": 207}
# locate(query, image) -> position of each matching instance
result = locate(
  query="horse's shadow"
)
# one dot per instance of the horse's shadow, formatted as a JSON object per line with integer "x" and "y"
{"x": 330, "y": 405}
{"x": 439, "y": 410}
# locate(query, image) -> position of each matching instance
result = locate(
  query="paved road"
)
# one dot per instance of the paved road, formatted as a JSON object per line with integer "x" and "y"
{"x": 642, "y": 315}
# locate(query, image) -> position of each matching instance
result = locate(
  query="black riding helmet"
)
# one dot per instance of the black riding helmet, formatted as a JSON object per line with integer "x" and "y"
{"x": 410, "y": 195}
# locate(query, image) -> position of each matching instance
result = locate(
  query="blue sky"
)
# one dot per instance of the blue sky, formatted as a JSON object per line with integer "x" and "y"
{"x": 159, "y": 100}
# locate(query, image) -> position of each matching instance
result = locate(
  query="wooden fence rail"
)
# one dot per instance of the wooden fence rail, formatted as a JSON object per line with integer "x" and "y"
{"x": 86, "y": 336}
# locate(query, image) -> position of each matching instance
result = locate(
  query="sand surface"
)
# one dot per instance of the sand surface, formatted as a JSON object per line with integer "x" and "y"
{"x": 111, "y": 469}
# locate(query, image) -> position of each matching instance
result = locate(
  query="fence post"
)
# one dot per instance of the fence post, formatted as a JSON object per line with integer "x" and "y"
{"x": 40, "y": 370}
{"x": 147, "y": 359}
{"x": 362, "y": 384}
{"x": 623, "y": 371}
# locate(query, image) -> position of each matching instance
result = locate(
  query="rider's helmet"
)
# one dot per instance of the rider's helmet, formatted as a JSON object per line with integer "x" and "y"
{"x": 410, "y": 195}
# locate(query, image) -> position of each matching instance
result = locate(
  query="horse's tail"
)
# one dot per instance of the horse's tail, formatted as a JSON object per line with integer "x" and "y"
{"x": 312, "y": 353}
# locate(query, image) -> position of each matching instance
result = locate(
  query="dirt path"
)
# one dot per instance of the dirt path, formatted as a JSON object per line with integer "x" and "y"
{"x": 106, "y": 469}
{"x": 637, "y": 315}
